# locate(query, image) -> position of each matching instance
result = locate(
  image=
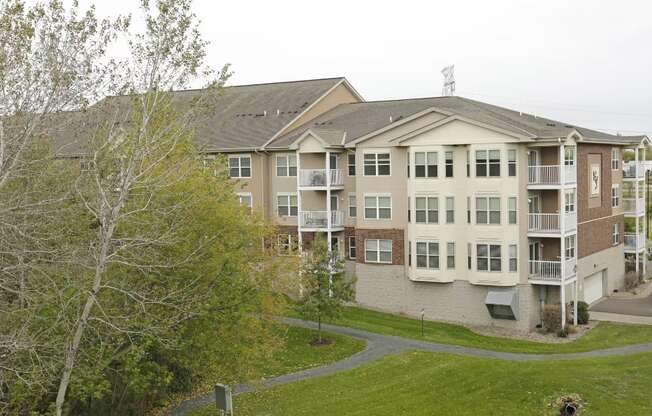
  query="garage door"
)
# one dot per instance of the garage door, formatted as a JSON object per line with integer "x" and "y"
{"x": 593, "y": 287}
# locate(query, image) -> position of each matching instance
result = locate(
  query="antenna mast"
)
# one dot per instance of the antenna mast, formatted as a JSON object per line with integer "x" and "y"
{"x": 449, "y": 81}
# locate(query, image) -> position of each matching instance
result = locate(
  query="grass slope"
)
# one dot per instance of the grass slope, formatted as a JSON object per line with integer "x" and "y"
{"x": 298, "y": 354}
{"x": 420, "y": 383}
{"x": 605, "y": 335}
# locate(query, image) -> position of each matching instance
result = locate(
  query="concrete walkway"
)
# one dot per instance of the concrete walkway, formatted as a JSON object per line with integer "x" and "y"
{"x": 623, "y": 306}
{"x": 381, "y": 345}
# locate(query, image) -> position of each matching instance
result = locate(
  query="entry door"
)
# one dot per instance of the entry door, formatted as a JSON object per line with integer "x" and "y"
{"x": 535, "y": 254}
{"x": 533, "y": 204}
{"x": 334, "y": 203}
{"x": 333, "y": 161}
{"x": 533, "y": 160}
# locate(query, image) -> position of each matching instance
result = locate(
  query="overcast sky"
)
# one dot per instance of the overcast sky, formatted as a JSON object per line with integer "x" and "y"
{"x": 587, "y": 62}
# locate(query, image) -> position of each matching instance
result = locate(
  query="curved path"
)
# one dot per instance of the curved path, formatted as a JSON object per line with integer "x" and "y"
{"x": 379, "y": 345}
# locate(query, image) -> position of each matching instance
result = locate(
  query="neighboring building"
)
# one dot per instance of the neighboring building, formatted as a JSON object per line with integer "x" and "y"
{"x": 466, "y": 211}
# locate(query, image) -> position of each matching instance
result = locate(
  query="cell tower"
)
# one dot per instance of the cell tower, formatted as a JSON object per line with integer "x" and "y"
{"x": 449, "y": 81}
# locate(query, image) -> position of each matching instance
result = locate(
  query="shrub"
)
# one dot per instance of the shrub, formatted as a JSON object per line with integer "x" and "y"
{"x": 552, "y": 317}
{"x": 562, "y": 332}
{"x": 583, "y": 315}
{"x": 633, "y": 279}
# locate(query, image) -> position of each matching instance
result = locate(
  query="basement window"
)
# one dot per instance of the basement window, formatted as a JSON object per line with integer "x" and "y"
{"x": 502, "y": 303}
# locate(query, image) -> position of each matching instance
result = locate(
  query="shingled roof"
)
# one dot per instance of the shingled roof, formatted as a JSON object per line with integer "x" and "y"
{"x": 356, "y": 120}
{"x": 244, "y": 117}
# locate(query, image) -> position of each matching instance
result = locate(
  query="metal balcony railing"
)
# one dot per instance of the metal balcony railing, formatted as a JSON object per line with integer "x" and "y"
{"x": 634, "y": 241}
{"x": 319, "y": 177}
{"x": 550, "y": 223}
{"x": 634, "y": 170}
{"x": 551, "y": 175}
{"x": 633, "y": 206}
{"x": 551, "y": 270}
{"x": 319, "y": 219}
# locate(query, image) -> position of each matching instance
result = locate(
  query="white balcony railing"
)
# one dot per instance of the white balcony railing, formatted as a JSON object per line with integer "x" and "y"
{"x": 551, "y": 270}
{"x": 634, "y": 170}
{"x": 543, "y": 222}
{"x": 319, "y": 219}
{"x": 550, "y": 223}
{"x": 550, "y": 175}
{"x": 319, "y": 178}
{"x": 634, "y": 242}
{"x": 633, "y": 206}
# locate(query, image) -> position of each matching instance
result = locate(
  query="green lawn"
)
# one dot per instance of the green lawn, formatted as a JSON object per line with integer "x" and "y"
{"x": 605, "y": 335}
{"x": 298, "y": 354}
{"x": 420, "y": 383}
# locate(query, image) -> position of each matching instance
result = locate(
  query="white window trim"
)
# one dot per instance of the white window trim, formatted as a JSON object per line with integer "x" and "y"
{"x": 352, "y": 194}
{"x": 251, "y": 198}
{"x": 509, "y": 258}
{"x": 240, "y": 155}
{"x": 515, "y": 198}
{"x": 615, "y": 234}
{"x": 287, "y": 167}
{"x": 289, "y": 194}
{"x": 378, "y": 251}
{"x": 437, "y": 165}
{"x": 500, "y": 209}
{"x": 413, "y": 214}
{"x": 415, "y": 254}
{"x": 616, "y": 187}
{"x": 489, "y": 257}
{"x": 515, "y": 162}
{"x": 617, "y": 160}
{"x": 355, "y": 164}
{"x": 349, "y": 238}
{"x": 376, "y": 152}
{"x": 573, "y": 202}
{"x": 488, "y": 175}
{"x": 375, "y": 195}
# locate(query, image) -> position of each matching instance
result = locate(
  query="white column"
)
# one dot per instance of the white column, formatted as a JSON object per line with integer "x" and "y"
{"x": 328, "y": 219}
{"x": 636, "y": 195}
{"x": 577, "y": 286}
{"x": 562, "y": 243}
{"x": 644, "y": 215}
{"x": 299, "y": 236}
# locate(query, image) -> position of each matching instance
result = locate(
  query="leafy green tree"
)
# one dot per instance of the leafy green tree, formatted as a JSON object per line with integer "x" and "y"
{"x": 325, "y": 288}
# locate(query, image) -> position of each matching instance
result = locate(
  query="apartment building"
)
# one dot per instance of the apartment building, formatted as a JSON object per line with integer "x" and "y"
{"x": 457, "y": 209}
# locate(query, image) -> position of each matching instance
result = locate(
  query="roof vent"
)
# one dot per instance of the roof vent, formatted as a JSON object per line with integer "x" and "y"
{"x": 551, "y": 124}
{"x": 278, "y": 111}
{"x": 390, "y": 119}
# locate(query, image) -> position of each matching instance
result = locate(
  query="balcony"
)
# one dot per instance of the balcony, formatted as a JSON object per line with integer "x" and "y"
{"x": 634, "y": 242}
{"x": 634, "y": 171}
{"x": 549, "y": 272}
{"x": 634, "y": 207}
{"x": 320, "y": 178}
{"x": 318, "y": 220}
{"x": 543, "y": 224}
{"x": 550, "y": 175}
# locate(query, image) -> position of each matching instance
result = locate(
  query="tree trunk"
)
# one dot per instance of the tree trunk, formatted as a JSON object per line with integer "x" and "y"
{"x": 83, "y": 319}
{"x": 319, "y": 327}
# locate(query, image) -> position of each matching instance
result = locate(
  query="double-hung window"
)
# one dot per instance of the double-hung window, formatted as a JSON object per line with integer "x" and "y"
{"x": 352, "y": 248}
{"x": 426, "y": 210}
{"x": 512, "y": 211}
{"x": 450, "y": 210}
{"x": 469, "y": 255}
{"x": 569, "y": 156}
{"x": 615, "y": 158}
{"x": 468, "y": 210}
{"x": 427, "y": 255}
{"x": 425, "y": 164}
{"x": 511, "y": 162}
{"x": 450, "y": 255}
{"x": 448, "y": 159}
{"x": 351, "y": 160}
{"x": 487, "y": 210}
{"x": 615, "y": 195}
{"x": 286, "y": 165}
{"x": 376, "y": 164}
{"x": 377, "y": 207}
{"x": 245, "y": 199}
{"x": 616, "y": 234}
{"x": 353, "y": 208}
{"x": 287, "y": 205}
{"x": 468, "y": 163}
{"x": 569, "y": 202}
{"x": 488, "y": 258}
{"x": 377, "y": 251}
{"x": 240, "y": 166}
{"x": 487, "y": 163}
{"x": 570, "y": 246}
{"x": 513, "y": 257}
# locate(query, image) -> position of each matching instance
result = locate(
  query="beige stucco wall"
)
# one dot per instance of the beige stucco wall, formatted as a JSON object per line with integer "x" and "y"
{"x": 339, "y": 95}
{"x": 612, "y": 260}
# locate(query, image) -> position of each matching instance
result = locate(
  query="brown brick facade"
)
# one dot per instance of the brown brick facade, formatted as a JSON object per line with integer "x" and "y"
{"x": 597, "y": 235}
{"x": 396, "y": 235}
{"x": 595, "y": 221}
{"x": 602, "y": 153}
